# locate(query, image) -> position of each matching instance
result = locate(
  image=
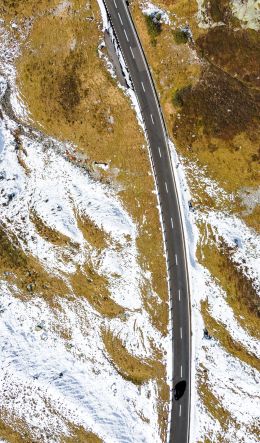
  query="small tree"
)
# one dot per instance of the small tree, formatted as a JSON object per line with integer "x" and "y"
{"x": 154, "y": 26}
{"x": 181, "y": 36}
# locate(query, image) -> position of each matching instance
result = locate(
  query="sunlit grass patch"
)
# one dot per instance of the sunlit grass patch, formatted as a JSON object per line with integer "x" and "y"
{"x": 211, "y": 402}
{"x": 92, "y": 233}
{"x": 47, "y": 232}
{"x": 26, "y": 272}
{"x": 220, "y": 333}
{"x": 240, "y": 292}
{"x": 68, "y": 58}
{"x": 14, "y": 432}
{"x": 89, "y": 284}
{"x": 131, "y": 368}
{"x": 80, "y": 435}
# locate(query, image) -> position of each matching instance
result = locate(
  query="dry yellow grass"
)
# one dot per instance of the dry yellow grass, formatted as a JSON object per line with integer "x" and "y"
{"x": 213, "y": 405}
{"x": 92, "y": 234}
{"x": 26, "y": 272}
{"x": 219, "y": 332}
{"x": 60, "y": 74}
{"x": 139, "y": 371}
{"x": 46, "y": 232}
{"x": 80, "y": 435}
{"x": 220, "y": 134}
{"x": 94, "y": 287}
{"x": 11, "y": 435}
{"x": 130, "y": 367}
{"x": 241, "y": 296}
{"x": 253, "y": 218}
{"x": 17, "y": 432}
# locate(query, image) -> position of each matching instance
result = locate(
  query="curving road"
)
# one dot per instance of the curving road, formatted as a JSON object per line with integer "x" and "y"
{"x": 125, "y": 32}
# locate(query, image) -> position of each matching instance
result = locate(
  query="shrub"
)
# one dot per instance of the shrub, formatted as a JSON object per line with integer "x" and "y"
{"x": 179, "y": 95}
{"x": 154, "y": 26}
{"x": 181, "y": 36}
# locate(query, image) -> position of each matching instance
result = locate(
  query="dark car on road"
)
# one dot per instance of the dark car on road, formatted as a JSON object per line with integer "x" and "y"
{"x": 179, "y": 389}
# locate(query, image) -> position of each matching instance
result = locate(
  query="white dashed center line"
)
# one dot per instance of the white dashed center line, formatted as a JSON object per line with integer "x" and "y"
{"x": 181, "y": 332}
{"x": 132, "y": 52}
{"x": 126, "y": 36}
{"x": 120, "y": 18}
{"x": 171, "y": 222}
{"x": 166, "y": 187}
{"x": 179, "y": 295}
{"x": 180, "y": 411}
{"x": 115, "y": 4}
{"x": 152, "y": 118}
{"x": 143, "y": 86}
{"x": 176, "y": 259}
{"x": 181, "y": 371}
{"x": 159, "y": 151}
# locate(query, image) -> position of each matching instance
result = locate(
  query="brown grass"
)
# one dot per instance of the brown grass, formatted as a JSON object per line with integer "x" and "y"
{"x": 219, "y": 332}
{"x": 128, "y": 366}
{"x": 211, "y": 402}
{"x": 217, "y": 122}
{"x": 217, "y": 45}
{"x": 92, "y": 234}
{"x": 240, "y": 292}
{"x": 80, "y": 435}
{"x": 46, "y": 232}
{"x": 48, "y": 69}
{"x": 89, "y": 284}
{"x": 11, "y": 435}
{"x": 23, "y": 270}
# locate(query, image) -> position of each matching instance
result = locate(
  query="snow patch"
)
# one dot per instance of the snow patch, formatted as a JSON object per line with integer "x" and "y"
{"x": 150, "y": 9}
{"x": 248, "y": 12}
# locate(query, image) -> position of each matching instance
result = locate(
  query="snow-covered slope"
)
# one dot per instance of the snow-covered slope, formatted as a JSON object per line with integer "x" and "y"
{"x": 57, "y": 372}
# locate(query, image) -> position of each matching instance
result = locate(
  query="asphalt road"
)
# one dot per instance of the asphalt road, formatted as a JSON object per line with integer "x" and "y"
{"x": 128, "y": 40}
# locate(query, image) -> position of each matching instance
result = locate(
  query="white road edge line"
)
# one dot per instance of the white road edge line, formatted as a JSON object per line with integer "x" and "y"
{"x": 181, "y": 332}
{"x": 171, "y": 222}
{"x": 166, "y": 187}
{"x": 176, "y": 259}
{"x": 143, "y": 86}
{"x": 145, "y": 64}
{"x": 180, "y": 411}
{"x": 132, "y": 52}
{"x": 159, "y": 151}
{"x": 120, "y": 18}
{"x": 126, "y": 36}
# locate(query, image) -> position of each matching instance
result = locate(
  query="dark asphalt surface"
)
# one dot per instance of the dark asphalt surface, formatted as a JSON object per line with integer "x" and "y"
{"x": 172, "y": 223}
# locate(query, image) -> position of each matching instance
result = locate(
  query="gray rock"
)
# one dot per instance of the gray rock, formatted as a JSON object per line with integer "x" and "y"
{"x": 30, "y": 287}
